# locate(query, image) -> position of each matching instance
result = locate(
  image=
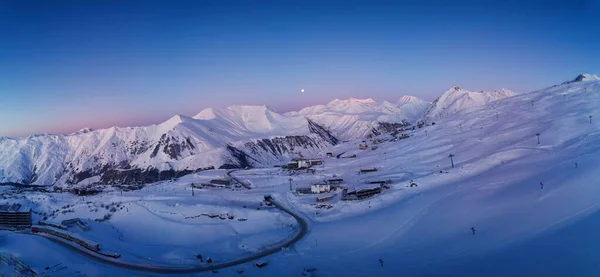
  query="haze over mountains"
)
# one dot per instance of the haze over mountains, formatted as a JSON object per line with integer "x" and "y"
{"x": 232, "y": 137}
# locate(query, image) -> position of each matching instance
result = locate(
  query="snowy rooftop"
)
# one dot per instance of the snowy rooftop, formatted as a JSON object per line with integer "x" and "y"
{"x": 12, "y": 208}
{"x": 362, "y": 187}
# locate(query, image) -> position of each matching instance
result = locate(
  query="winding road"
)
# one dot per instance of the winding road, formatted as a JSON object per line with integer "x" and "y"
{"x": 237, "y": 180}
{"x": 303, "y": 229}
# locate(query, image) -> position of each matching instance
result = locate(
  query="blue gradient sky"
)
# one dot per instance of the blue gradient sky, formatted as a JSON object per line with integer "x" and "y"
{"x": 65, "y": 65}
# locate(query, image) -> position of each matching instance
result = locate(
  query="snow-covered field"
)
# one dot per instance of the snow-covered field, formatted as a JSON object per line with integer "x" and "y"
{"x": 510, "y": 206}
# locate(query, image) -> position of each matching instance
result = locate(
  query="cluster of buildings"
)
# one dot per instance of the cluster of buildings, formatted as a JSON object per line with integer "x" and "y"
{"x": 357, "y": 192}
{"x": 323, "y": 187}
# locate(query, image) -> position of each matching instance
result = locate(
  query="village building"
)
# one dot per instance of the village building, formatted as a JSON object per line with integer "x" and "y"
{"x": 218, "y": 183}
{"x": 315, "y": 162}
{"x": 15, "y": 216}
{"x": 361, "y": 192}
{"x": 303, "y": 190}
{"x": 329, "y": 154}
{"x": 326, "y": 198}
{"x": 76, "y": 222}
{"x": 302, "y": 163}
{"x": 364, "y": 171}
{"x": 221, "y": 182}
{"x": 382, "y": 183}
{"x": 298, "y": 163}
{"x": 320, "y": 188}
{"x": 261, "y": 263}
{"x": 367, "y": 190}
{"x": 335, "y": 182}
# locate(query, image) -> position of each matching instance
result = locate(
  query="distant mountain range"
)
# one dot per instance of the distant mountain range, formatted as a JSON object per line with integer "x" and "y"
{"x": 233, "y": 137}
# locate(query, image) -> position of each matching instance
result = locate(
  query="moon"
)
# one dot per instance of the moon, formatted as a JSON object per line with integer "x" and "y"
{"x": 302, "y": 90}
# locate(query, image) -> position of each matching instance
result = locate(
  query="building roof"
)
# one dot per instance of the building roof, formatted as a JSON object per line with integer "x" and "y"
{"x": 307, "y": 159}
{"x": 319, "y": 184}
{"x": 220, "y": 181}
{"x": 362, "y": 187}
{"x": 13, "y": 208}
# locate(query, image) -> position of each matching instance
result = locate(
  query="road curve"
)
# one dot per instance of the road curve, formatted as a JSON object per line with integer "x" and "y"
{"x": 237, "y": 180}
{"x": 303, "y": 229}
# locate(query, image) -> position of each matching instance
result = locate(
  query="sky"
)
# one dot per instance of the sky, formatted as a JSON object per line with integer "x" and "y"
{"x": 66, "y": 65}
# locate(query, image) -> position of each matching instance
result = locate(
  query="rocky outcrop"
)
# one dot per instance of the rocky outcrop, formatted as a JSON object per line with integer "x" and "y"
{"x": 385, "y": 127}
{"x": 317, "y": 129}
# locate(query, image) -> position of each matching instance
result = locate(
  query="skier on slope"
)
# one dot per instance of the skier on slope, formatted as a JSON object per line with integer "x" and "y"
{"x": 541, "y": 185}
{"x": 473, "y": 230}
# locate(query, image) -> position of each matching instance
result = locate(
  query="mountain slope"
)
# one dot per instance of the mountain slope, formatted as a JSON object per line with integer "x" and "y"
{"x": 457, "y": 99}
{"x": 180, "y": 144}
{"x": 356, "y": 118}
{"x": 494, "y": 188}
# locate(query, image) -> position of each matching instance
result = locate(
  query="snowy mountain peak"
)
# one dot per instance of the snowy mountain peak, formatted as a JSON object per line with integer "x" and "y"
{"x": 407, "y": 99}
{"x": 412, "y": 107}
{"x": 210, "y": 113}
{"x": 173, "y": 121}
{"x": 359, "y": 100}
{"x": 84, "y": 130}
{"x": 351, "y": 100}
{"x": 586, "y": 77}
{"x": 206, "y": 114}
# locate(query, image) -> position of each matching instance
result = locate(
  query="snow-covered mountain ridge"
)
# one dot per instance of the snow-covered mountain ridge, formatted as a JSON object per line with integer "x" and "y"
{"x": 236, "y": 136}
{"x": 233, "y": 137}
{"x": 356, "y": 118}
